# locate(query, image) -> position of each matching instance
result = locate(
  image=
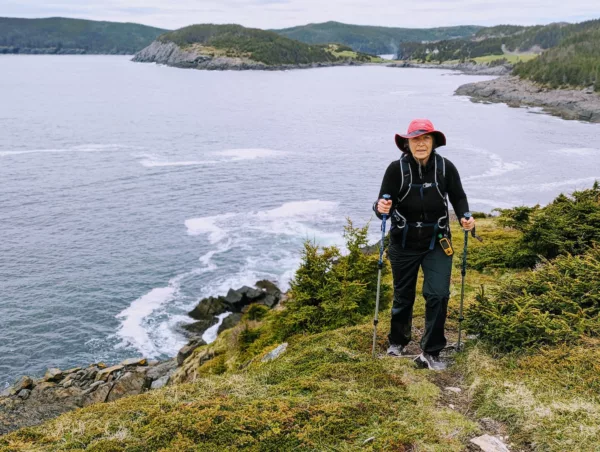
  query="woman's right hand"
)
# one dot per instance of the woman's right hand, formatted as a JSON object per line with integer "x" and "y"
{"x": 384, "y": 206}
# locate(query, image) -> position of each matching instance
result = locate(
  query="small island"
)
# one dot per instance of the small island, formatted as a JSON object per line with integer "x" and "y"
{"x": 233, "y": 47}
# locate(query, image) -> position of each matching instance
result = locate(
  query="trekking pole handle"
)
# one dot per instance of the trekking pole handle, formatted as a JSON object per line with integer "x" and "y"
{"x": 468, "y": 215}
{"x": 384, "y": 219}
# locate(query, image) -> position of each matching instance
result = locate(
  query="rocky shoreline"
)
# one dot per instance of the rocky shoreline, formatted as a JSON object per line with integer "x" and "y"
{"x": 578, "y": 104}
{"x": 170, "y": 54}
{"x": 31, "y": 401}
{"x": 466, "y": 68}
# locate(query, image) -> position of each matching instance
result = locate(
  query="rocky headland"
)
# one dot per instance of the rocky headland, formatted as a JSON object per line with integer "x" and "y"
{"x": 31, "y": 401}
{"x": 579, "y": 104}
{"x": 199, "y": 57}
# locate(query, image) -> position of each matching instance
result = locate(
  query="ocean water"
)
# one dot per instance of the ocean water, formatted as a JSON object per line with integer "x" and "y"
{"x": 131, "y": 191}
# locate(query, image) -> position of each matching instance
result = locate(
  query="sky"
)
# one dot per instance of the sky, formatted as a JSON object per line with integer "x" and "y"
{"x": 288, "y": 13}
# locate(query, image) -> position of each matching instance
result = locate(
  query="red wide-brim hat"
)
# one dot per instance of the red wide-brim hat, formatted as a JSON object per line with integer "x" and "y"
{"x": 416, "y": 128}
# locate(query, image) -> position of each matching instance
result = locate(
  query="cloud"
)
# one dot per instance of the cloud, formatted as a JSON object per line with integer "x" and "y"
{"x": 286, "y": 13}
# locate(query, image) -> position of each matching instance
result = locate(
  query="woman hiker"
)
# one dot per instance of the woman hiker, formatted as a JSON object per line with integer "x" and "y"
{"x": 420, "y": 184}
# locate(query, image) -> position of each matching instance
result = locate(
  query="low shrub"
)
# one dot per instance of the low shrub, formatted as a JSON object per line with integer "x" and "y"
{"x": 558, "y": 302}
{"x": 568, "y": 225}
{"x": 329, "y": 290}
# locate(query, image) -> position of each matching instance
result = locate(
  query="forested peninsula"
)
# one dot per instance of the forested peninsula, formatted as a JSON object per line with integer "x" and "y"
{"x": 220, "y": 47}
{"x": 59, "y": 35}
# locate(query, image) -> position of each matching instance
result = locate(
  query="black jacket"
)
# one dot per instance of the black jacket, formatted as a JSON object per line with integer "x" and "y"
{"x": 413, "y": 208}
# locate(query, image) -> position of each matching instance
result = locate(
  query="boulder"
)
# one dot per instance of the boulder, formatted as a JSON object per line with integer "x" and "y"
{"x": 208, "y": 308}
{"x": 22, "y": 383}
{"x": 489, "y": 443}
{"x": 233, "y": 297}
{"x": 135, "y": 362}
{"x": 161, "y": 382}
{"x": 162, "y": 369}
{"x": 53, "y": 374}
{"x": 105, "y": 373}
{"x": 131, "y": 383}
{"x": 188, "y": 350}
{"x": 276, "y": 353}
{"x": 24, "y": 394}
{"x": 230, "y": 321}
{"x": 198, "y": 328}
{"x": 268, "y": 287}
{"x": 97, "y": 396}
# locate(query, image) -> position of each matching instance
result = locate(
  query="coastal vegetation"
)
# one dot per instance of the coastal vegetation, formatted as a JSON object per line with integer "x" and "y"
{"x": 575, "y": 62}
{"x": 528, "y": 372}
{"x": 372, "y": 39}
{"x": 61, "y": 35}
{"x": 269, "y": 48}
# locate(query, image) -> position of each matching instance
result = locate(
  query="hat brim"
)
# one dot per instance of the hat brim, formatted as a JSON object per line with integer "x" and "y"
{"x": 402, "y": 140}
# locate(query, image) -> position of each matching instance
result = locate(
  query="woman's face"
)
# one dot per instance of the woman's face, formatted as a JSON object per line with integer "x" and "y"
{"x": 421, "y": 147}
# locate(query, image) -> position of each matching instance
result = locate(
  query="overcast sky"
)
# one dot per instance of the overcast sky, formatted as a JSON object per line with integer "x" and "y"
{"x": 287, "y": 13}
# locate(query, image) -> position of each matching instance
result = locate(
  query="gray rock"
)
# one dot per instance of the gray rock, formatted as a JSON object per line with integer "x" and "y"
{"x": 105, "y": 373}
{"x": 24, "y": 394}
{"x": 134, "y": 362}
{"x": 233, "y": 297}
{"x": 230, "y": 321}
{"x": 53, "y": 375}
{"x": 188, "y": 350}
{"x": 467, "y": 68}
{"x": 489, "y": 443}
{"x": 268, "y": 287}
{"x": 269, "y": 300}
{"x": 208, "y": 308}
{"x": 131, "y": 383}
{"x": 22, "y": 383}
{"x": 161, "y": 382}
{"x": 162, "y": 369}
{"x": 274, "y": 354}
{"x": 452, "y": 389}
{"x": 198, "y": 328}
{"x": 97, "y": 396}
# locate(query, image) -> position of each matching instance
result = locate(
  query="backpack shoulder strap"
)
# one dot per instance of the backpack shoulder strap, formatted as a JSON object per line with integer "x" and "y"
{"x": 440, "y": 175}
{"x": 407, "y": 178}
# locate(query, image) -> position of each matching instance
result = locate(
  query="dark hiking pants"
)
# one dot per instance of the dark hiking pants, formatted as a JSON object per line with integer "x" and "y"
{"x": 437, "y": 267}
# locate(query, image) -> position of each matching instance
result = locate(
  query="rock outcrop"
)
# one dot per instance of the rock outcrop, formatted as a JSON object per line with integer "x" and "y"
{"x": 29, "y": 402}
{"x": 580, "y": 104}
{"x": 467, "y": 68}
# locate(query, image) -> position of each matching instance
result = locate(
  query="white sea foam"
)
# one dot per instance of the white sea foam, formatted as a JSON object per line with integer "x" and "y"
{"x": 249, "y": 154}
{"x": 133, "y": 330}
{"x": 208, "y": 225}
{"x": 496, "y": 167}
{"x": 577, "y": 151}
{"x": 80, "y": 148}
{"x": 210, "y": 335}
{"x": 148, "y": 163}
{"x": 571, "y": 184}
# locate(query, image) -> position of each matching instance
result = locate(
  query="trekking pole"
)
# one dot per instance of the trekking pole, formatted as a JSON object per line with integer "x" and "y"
{"x": 463, "y": 273}
{"x": 380, "y": 266}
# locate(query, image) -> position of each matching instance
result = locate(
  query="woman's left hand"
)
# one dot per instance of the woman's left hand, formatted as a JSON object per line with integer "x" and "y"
{"x": 467, "y": 224}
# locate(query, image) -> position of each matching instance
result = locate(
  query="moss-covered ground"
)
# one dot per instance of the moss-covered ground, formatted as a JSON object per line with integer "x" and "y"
{"x": 326, "y": 393}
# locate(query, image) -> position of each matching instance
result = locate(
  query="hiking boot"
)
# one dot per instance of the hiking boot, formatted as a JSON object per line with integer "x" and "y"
{"x": 396, "y": 350}
{"x": 433, "y": 362}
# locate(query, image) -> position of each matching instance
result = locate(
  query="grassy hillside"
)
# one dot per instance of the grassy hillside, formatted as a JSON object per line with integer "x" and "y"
{"x": 61, "y": 35}
{"x": 327, "y": 393}
{"x": 258, "y": 45}
{"x": 369, "y": 39}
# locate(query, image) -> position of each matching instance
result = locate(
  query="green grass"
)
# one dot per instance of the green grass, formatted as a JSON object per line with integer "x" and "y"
{"x": 326, "y": 393}
{"x": 512, "y": 59}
